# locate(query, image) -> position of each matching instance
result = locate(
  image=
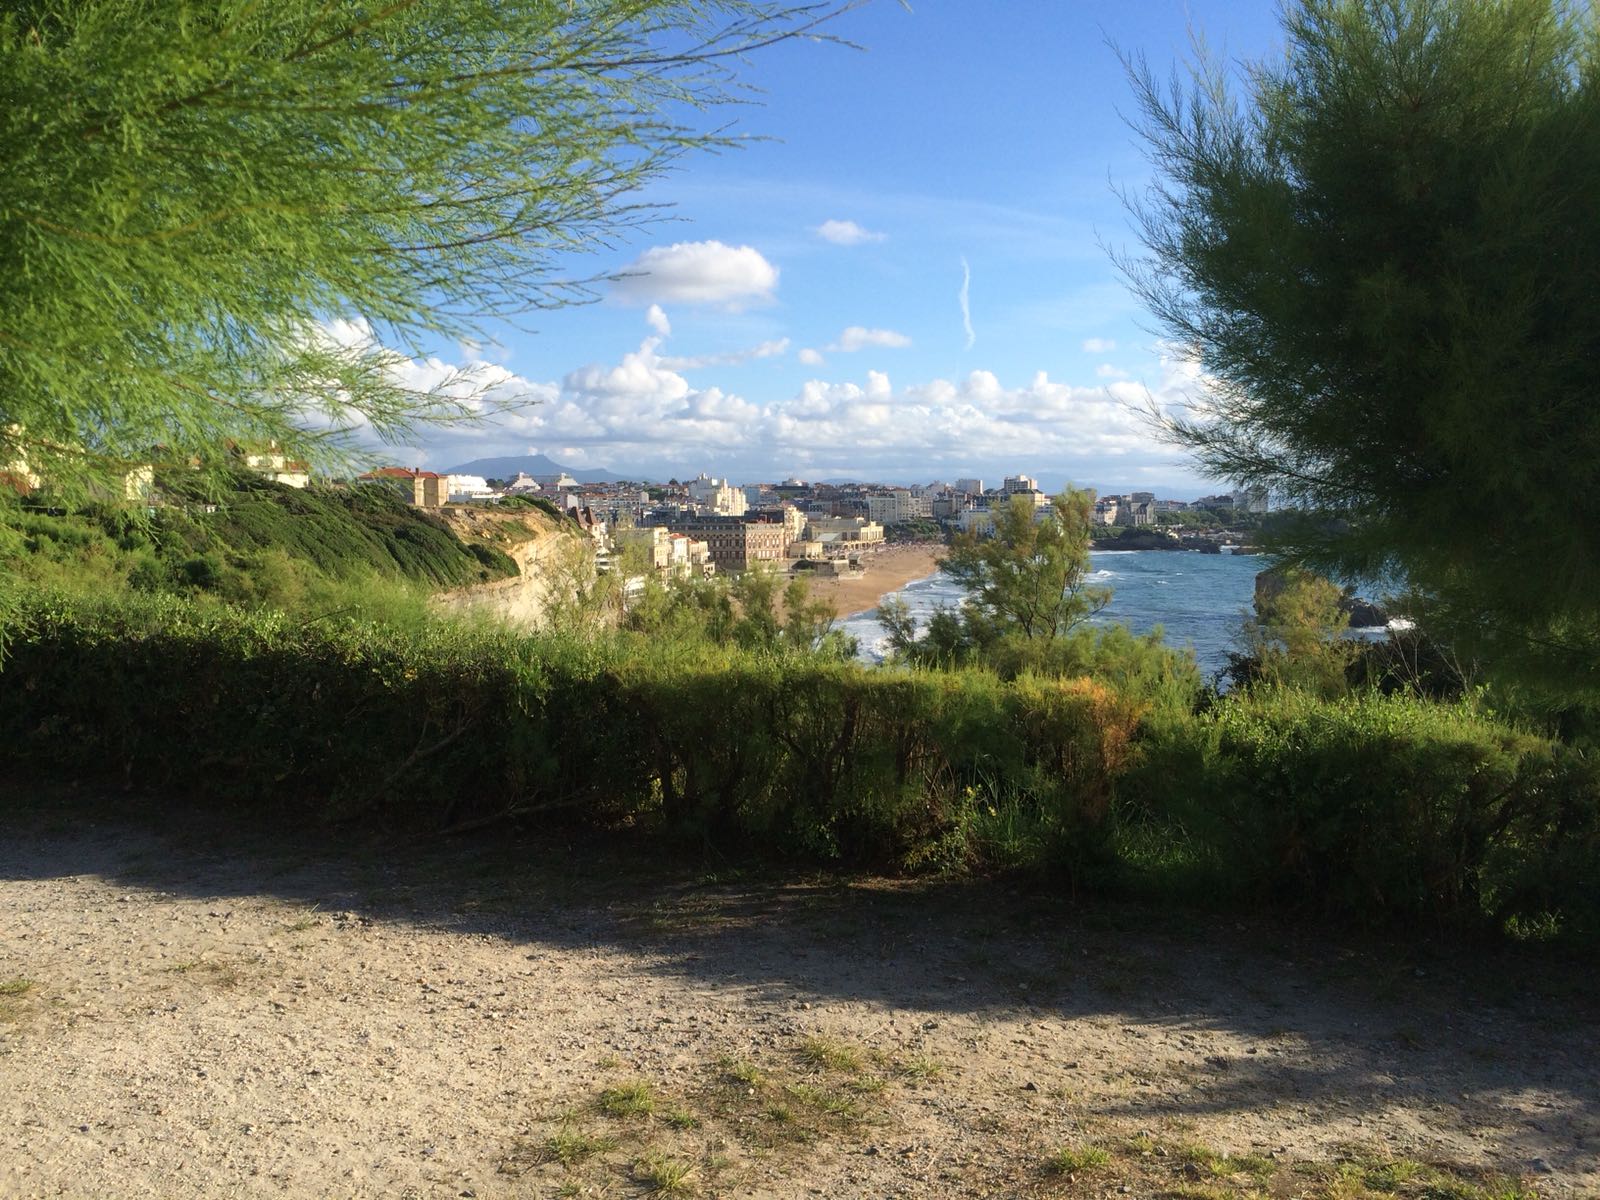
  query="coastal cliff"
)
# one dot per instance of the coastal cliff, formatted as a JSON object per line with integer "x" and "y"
{"x": 546, "y": 549}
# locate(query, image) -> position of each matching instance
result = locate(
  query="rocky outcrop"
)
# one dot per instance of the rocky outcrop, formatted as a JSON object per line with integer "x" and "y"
{"x": 551, "y": 556}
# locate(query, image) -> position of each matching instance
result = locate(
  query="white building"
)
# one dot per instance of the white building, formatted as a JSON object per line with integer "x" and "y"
{"x": 972, "y": 487}
{"x": 898, "y": 507}
{"x": 468, "y": 487}
{"x": 976, "y": 520}
{"x": 717, "y": 496}
{"x": 1019, "y": 483}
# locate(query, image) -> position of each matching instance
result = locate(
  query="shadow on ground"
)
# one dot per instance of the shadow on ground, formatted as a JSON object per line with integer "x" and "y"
{"x": 1413, "y": 1021}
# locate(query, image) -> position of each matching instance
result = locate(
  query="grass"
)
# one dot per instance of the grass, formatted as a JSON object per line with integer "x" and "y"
{"x": 743, "y": 1072}
{"x": 830, "y": 1055}
{"x": 16, "y": 987}
{"x": 633, "y": 1099}
{"x": 921, "y": 1068}
{"x": 570, "y": 1147}
{"x": 1070, "y": 1160}
{"x": 1224, "y": 1165}
{"x": 823, "y": 1101}
{"x": 664, "y": 1176}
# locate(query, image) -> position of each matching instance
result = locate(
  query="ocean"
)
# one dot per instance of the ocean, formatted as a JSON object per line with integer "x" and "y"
{"x": 1199, "y": 600}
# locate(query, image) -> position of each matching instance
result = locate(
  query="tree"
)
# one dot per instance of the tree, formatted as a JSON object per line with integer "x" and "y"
{"x": 1296, "y": 638}
{"x": 1385, "y": 258}
{"x": 1029, "y": 577}
{"x": 1026, "y": 581}
{"x": 226, "y": 220}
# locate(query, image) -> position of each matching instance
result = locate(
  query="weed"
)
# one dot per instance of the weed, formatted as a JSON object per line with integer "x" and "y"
{"x": 16, "y": 987}
{"x": 921, "y": 1068}
{"x": 681, "y": 1118}
{"x": 664, "y": 1176}
{"x": 569, "y": 1146}
{"x": 1069, "y": 1160}
{"x": 825, "y": 1102}
{"x": 834, "y": 1056}
{"x": 628, "y": 1100}
{"x": 744, "y": 1072}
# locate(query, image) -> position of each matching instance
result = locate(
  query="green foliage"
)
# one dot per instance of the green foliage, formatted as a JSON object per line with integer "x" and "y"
{"x": 1382, "y": 255}
{"x": 433, "y": 724}
{"x": 1369, "y": 808}
{"x": 1027, "y": 578}
{"x": 264, "y": 544}
{"x": 753, "y": 610}
{"x": 1385, "y": 808}
{"x": 194, "y": 188}
{"x": 1296, "y": 637}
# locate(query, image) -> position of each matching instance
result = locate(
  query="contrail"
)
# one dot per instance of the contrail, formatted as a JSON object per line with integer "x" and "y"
{"x": 966, "y": 301}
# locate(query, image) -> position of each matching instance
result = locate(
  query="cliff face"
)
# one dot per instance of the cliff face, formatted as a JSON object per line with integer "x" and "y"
{"x": 551, "y": 556}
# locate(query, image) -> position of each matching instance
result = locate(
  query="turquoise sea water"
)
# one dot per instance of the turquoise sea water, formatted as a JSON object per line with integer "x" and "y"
{"x": 1198, "y": 599}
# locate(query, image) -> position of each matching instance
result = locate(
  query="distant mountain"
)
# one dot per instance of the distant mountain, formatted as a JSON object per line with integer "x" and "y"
{"x": 533, "y": 464}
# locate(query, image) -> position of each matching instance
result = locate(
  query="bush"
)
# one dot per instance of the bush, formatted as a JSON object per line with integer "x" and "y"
{"x": 1381, "y": 808}
{"x": 436, "y": 724}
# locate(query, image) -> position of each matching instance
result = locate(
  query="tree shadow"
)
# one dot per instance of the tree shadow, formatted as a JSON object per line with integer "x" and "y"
{"x": 1207, "y": 1013}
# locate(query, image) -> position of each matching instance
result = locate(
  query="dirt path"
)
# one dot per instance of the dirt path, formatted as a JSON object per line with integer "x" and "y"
{"x": 178, "y": 1021}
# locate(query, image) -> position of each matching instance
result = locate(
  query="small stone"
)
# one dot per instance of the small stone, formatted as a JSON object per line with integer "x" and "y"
{"x": 1030, "y": 1086}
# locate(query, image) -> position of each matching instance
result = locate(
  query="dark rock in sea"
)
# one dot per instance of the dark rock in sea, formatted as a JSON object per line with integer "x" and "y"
{"x": 1363, "y": 613}
{"x": 1210, "y": 548}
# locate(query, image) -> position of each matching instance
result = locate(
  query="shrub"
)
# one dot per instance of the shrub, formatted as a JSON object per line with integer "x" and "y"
{"x": 1385, "y": 808}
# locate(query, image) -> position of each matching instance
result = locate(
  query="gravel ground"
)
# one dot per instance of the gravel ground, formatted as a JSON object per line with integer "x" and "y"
{"x": 179, "y": 1019}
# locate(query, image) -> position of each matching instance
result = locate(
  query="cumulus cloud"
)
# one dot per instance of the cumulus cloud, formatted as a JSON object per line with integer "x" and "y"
{"x": 810, "y": 357}
{"x": 1107, "y": 371}
{"x": 1097, "y": 345}
{"x": 847, "y": 233}
{"x": 656, "y": 318}
{"x": 858, "y": 337}
{"x": 642, "y": 413}
{"x": 710, "y": 273}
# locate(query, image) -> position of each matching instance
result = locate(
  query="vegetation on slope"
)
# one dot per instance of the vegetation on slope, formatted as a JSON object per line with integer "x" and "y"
{"x": 258, "y": 543}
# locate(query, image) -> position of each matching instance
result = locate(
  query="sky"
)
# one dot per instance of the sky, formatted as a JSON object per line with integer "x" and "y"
{"x": 909, "y": 277}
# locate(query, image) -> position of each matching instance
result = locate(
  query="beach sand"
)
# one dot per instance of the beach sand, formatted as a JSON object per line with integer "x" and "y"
{"x": 887, "y": 571}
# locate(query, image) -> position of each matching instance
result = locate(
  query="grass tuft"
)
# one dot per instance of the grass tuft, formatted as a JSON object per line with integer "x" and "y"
{"x": 1069, "y": 1160}
{"x": 831, "y": 1055}
{"x": 569, "y": 1146}
{"x": 628, "y": 1100}
{"x": 664, "y": 1176}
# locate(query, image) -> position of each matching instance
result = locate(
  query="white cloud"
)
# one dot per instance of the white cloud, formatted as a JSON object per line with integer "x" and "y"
{"x": 810, "y": 357}
{"x": 847, "y": 233}
{"x": 656, "y": 318}
{"x": 858, "y": 337}
{"x": 641, "y": 413}
{"x": 1097, "y": 345}
{"x": 699, "y": 273}
{"x": 1107, "y": 371}
{"x": 732, "y": 358}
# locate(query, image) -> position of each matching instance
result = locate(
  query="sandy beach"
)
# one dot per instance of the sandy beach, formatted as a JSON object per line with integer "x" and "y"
{"x": 886, "y": 572}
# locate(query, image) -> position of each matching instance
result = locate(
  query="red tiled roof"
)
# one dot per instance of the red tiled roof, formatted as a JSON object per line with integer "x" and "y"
{"x": 401, "y": 473}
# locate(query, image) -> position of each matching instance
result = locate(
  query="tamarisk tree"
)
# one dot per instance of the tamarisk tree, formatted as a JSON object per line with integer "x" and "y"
{"x": 1384, "y": 252}
{"x": 216, "y": 214}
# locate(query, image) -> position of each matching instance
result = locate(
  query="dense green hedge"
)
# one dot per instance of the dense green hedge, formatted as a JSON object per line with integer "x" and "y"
{"x": 1385, "y": 806}
{"x": 1377, "y": 809}
{"x": 435, "y": 726}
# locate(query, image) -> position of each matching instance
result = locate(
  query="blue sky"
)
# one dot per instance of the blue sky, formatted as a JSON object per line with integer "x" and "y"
{"x": 800, "y": 312}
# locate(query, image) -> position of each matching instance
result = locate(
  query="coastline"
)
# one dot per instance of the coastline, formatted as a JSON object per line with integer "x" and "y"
{"x": 888, "y": 571}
